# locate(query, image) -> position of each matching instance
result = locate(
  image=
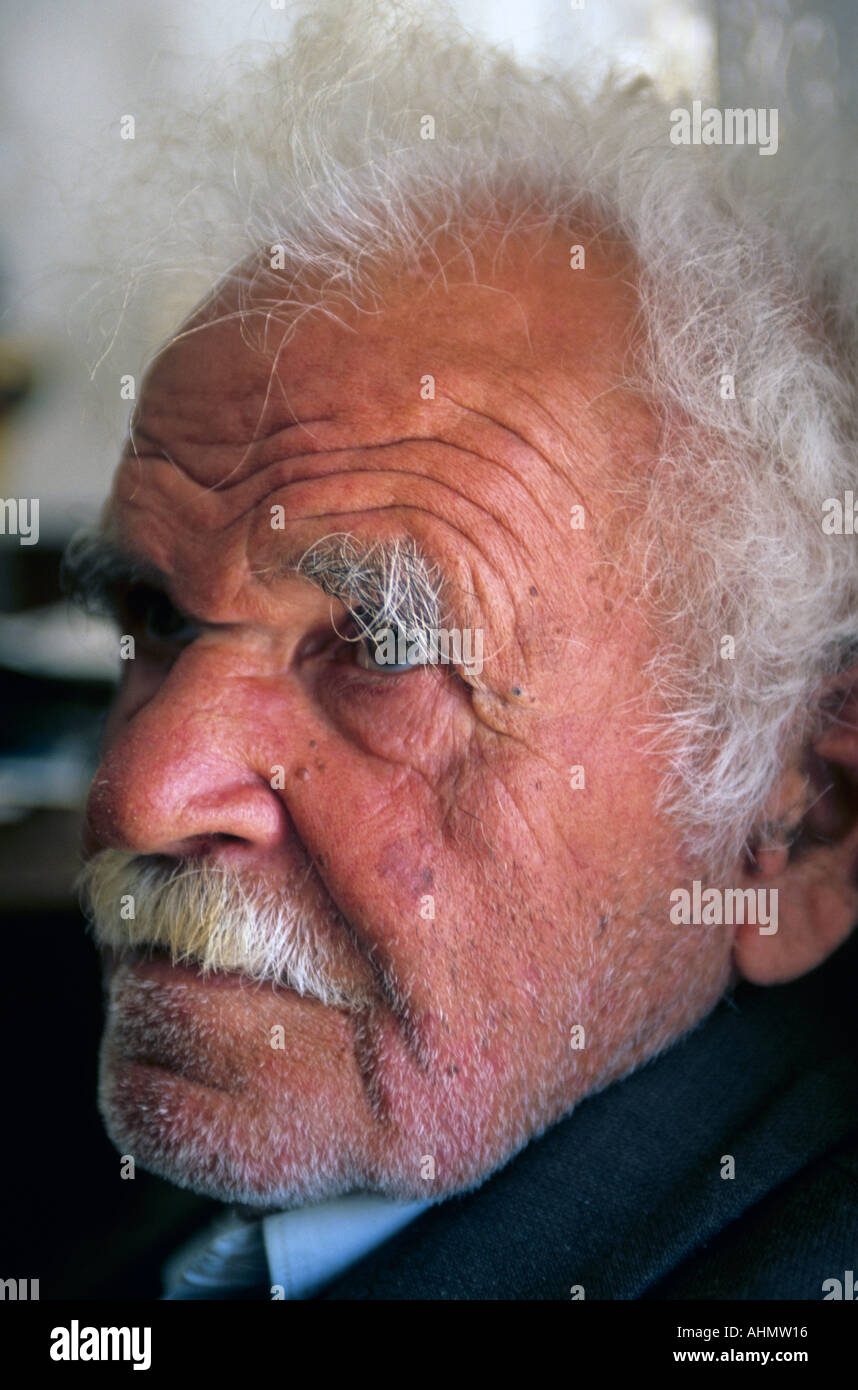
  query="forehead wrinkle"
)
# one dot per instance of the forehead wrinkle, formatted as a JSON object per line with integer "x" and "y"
{"x": 445, "y": 438}
{"x": 300, "y": 456}
{"x": 562, "y": 430}
{"x": 562, "y": 471}
{"x": 509, "y": 470}
{"x": 262, "y": 450}
{"x": 608, "y": 527}
{"x": 396, "y": 507}
{"x": 563, "y": 474}
{"x": 278, "y": 485}
{"x": 159, "y": 451}
{"x": 431, "y": 478}
{"x": 138, "y": 432}
{"x": 256, "y": 503}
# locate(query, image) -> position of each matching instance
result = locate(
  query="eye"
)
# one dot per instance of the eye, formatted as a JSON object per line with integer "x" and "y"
{"x": 391, "y": 650}
{"x": 150, "y": 611}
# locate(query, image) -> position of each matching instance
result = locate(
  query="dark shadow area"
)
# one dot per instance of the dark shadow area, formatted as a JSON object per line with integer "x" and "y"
{"x": 71, "y": 1221}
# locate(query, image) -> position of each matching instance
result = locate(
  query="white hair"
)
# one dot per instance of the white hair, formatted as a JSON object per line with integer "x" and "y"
{"x": 204, "y": 914}
{"x": 745, "y": 270}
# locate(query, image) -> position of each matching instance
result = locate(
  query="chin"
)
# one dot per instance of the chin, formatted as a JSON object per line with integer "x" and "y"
{"x": 210, "y": 1143}
{"x": 191, "y": 1089}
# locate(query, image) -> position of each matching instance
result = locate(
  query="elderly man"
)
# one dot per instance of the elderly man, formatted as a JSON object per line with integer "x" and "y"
{"x": 488, "y": 712}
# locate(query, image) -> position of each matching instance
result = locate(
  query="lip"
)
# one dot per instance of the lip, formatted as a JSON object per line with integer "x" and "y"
{"x": 159, "y": 967}
{"x": 157, "y": 1034}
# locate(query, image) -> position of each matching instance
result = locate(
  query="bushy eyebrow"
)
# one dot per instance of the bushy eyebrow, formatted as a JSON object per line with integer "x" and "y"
{"x": 383, "y": 584}
{"x": 94, "y": 571}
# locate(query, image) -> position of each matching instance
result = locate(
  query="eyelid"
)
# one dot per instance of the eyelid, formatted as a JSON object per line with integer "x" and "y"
{"x": 132, "y": 606}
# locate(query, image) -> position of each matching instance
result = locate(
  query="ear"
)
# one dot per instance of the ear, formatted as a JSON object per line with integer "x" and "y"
{"x": 813, "y": 862}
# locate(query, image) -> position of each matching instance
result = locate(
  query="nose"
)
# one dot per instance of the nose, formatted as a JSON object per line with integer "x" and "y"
{"x": 185, "y": 767}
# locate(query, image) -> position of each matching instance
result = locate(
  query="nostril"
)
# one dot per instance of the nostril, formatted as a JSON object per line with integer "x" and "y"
{"x": 204, "y": 846}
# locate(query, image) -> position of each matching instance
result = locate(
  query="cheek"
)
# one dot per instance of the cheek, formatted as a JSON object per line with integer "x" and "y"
{"x": 404, "y": 865}
{"x": 550, "y": 899}
{"x": 418, "y": 720}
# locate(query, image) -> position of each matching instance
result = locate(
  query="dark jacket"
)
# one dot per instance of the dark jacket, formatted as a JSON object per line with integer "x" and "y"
{"x": 626, "y": 1197}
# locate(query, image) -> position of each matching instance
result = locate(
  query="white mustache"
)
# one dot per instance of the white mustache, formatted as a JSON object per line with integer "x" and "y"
{"x": 204, "y": 915}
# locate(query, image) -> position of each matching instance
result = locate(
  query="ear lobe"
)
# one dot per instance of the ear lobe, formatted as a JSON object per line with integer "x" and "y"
{"x": 813, "y": 863}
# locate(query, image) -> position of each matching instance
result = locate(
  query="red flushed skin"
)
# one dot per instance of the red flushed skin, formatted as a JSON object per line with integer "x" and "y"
{"x": 550, "y": 901}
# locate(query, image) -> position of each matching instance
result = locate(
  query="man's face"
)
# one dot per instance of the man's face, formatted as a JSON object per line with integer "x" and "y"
{"x": 477, "y": 899}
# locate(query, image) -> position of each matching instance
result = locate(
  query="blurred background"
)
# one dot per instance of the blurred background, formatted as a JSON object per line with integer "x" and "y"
{"x": 69, "y": 70}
